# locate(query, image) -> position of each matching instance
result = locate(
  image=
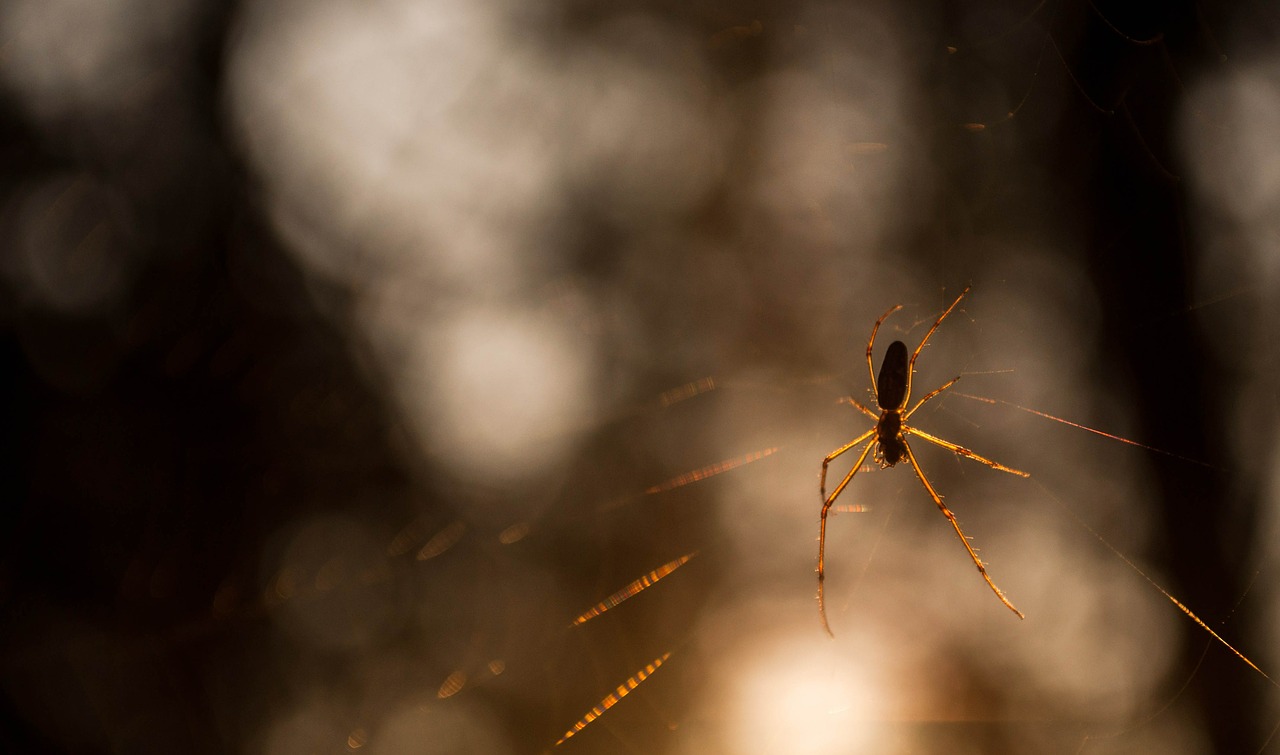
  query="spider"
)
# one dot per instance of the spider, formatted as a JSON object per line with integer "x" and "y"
{"x": 889, "y": 438}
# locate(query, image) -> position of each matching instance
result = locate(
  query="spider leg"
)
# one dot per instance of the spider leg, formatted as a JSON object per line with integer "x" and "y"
{"x": 937, "y": 499}
{"x": 826, "y": 505}
{"x": 961, "y": 450}
{"x": 870, "y": 367}
{"x": 822, "y": 485}
{"x": 858, "y": 405}
{"x": 911, "y": 366}
{"x": 928, "y": 396}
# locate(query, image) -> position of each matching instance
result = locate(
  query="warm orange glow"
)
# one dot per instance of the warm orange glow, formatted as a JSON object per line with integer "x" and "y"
{"x": 711, "y": 470}
{"x": 515, "y": 533}
{"x": 611, "y": 700}
{"x": 811, "y": 695}
{"x": 868, "y": 148}
{"x": 634, "y": 588}
{"x": 443, "y": 540}
{"x": 405, "y": 538}
{"x": 356, "y": 739}
{"x": 686, "y": 391}
{"x": 452, "y": 685}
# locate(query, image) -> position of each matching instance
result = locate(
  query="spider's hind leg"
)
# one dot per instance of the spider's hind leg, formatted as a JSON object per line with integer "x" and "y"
{"x": 826, "y": 506}
{"x": 937, "y": 499}
{"x": 822, "y": 484}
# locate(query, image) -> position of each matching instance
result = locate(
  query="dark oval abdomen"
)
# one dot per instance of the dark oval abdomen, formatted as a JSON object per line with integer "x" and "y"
{"x": 891, "y": 386}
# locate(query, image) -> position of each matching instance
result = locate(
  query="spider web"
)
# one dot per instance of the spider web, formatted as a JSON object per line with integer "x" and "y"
{"x": 355, "y": 349}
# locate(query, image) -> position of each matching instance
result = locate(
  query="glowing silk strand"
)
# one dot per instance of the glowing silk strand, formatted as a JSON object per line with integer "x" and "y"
{"x": 1181, "y": 607}
{"x": 443, "y": 540}
{"x": 622, "y": 691}
{"x": 711, "y": 470}
{"x": 1085, "y": 427}
{"x": 686, "y": 391}
{"x": 634, "y": 588}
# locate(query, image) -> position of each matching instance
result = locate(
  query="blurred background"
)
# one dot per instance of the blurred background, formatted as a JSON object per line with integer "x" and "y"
{"x": 351, "y": 350}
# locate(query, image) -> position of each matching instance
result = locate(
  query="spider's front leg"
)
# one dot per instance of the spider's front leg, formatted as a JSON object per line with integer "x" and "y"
{"x": 856, "y": 404}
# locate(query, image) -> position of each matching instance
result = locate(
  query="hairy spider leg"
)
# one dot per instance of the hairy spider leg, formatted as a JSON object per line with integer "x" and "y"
{"x": 957, "y": 449}
{"x": 822, "y": 485}
{"x": 962, "y": 451}
{"x": 826, "y": 506}
{"x": 937, "y": 499}
{"x": 907, "y": 415}
{"x": 858, "y": 405}
{"x": 870, "y": 344}
{"x": 911, "y": 366}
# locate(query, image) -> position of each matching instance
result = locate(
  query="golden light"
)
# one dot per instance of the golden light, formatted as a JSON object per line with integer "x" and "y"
{"x": 797, "y": 695}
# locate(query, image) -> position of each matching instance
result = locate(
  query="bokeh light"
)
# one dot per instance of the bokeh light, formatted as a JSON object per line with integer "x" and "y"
{"x": 353, "y": 349}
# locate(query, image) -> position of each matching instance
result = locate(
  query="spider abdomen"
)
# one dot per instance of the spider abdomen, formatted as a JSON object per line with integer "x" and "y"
{"x": 891, "y": 388}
